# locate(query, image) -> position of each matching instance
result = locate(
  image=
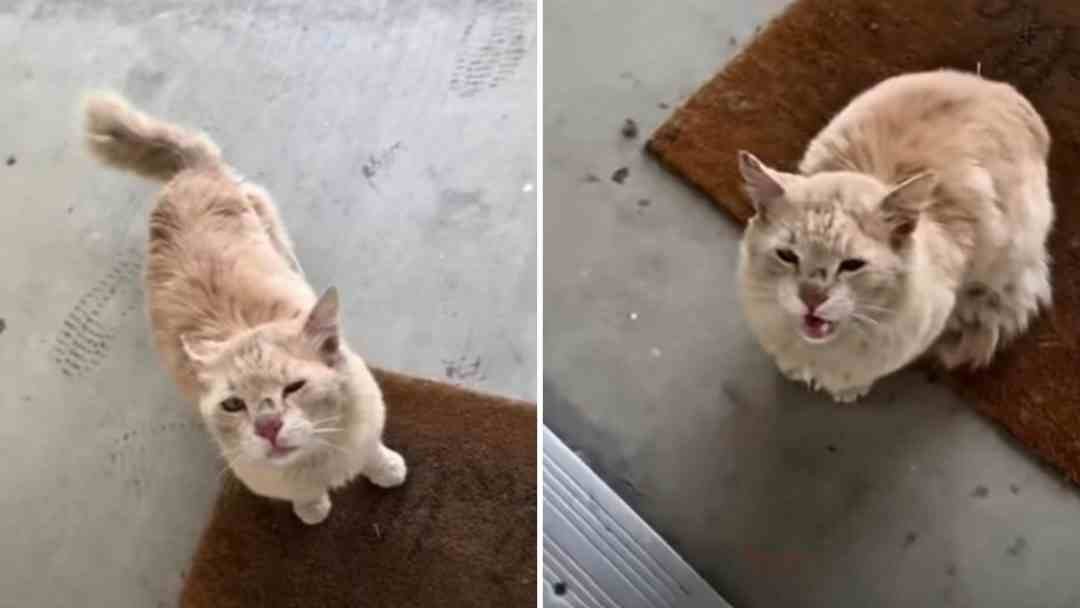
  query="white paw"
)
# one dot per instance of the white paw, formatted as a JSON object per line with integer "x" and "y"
{"x": 388, "y": 470}
{"x": 313, "y": 512}
{"x": 850, "y": 395}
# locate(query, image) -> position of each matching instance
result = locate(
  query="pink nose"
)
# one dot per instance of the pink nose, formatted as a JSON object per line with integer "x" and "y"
{"x": 812, "y": 297}
{"x": 268, "y": 427}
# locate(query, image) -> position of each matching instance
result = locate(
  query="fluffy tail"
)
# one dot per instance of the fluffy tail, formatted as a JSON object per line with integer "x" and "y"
{"x": 121, "y": 136}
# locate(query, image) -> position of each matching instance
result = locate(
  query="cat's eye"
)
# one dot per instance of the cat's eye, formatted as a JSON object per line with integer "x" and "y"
{"x": 851, "y": 264}
{"x": 292, "y": 388}
{"x": 787, "y": 256}
{"x": 233, "y": 405}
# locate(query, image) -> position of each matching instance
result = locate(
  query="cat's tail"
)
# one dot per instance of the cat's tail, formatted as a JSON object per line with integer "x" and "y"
{"x": 125, "y": 138}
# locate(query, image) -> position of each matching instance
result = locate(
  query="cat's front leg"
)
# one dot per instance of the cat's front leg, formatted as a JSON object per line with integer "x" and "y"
{"x": 312, "y": 512}
{"x": 386, "y": 468}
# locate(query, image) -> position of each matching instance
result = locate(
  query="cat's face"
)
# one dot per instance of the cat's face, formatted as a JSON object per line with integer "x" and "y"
{"x": 825, "y": 254}
{"x": 277, "y": 394}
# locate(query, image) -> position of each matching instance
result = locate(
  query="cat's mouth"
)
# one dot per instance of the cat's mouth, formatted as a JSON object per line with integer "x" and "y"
{"x": 817, "y": 330}
{"x": 280, "y": 452}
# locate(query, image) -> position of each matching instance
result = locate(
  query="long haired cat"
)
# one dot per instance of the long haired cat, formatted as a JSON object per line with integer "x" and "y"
{"x": 917, "y": 223}
{"x": 293, "y": 409}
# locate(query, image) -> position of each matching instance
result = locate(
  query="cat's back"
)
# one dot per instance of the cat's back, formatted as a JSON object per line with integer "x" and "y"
{"x": 927, "y": 120}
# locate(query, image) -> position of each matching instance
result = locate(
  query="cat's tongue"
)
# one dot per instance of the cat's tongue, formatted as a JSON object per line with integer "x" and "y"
{"x": 816, "y": 328}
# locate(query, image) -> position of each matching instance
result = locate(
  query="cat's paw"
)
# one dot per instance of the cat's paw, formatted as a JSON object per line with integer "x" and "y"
{"x": 971, "y": 345}
{"x": 314, "y": 511}
{"x": 798, "y": 374}
{"x": 849, "y": 395}
{"x": 388, "y": 470}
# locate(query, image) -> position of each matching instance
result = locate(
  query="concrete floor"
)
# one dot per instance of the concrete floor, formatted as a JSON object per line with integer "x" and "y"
{"x": 778, "y": 497}
{"x": 398, "y": 138}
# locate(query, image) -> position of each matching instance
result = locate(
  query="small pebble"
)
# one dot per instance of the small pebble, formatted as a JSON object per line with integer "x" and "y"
{"x": 620, "y": 175}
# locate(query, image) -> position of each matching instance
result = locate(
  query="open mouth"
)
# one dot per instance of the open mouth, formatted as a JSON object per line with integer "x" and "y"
{"x": 280, "y": 451}
{"x": 815, "y": 329}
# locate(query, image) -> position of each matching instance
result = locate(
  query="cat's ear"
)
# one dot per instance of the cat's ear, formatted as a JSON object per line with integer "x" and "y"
{"x": 763, "y": 185}
{"x": 323, "y": 327}
{"x": 201, "y": 351}
{"x": 903, "y": 204}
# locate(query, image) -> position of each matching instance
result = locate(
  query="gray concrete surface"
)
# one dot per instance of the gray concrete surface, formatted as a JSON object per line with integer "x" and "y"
{"x": 398, "y": 138}
{"x": 778, "y": 497}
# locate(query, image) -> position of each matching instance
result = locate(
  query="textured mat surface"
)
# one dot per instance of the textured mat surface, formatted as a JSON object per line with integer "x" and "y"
{"x": 460, "y": 532}
{"x": 809, "y": 62}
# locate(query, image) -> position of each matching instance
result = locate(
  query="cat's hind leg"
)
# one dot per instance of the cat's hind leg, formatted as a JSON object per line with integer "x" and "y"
{"x": 275, "y": 229}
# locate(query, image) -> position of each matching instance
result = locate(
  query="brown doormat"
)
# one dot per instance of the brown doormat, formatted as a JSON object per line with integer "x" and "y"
{"x": 460, "y": 532}
{"x": 807, "y": 64}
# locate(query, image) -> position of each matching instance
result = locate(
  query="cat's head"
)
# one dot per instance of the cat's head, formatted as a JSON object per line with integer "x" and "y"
{"x": 830, "y": 251}
{"x": 277, "y": 393}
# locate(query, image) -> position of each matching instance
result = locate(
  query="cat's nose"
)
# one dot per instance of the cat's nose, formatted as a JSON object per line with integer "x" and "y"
{"x": 267, "y": 427}
{"x": 812, "y": 296}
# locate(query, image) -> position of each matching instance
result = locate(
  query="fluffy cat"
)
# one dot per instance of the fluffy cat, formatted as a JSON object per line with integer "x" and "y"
{"x": 295, "y": 412}
{"x": 917, "y": 223}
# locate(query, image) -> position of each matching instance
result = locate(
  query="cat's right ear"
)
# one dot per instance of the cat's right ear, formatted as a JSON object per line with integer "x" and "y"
{"x": 761, "y": 183}
{"x": 200, "y": 351}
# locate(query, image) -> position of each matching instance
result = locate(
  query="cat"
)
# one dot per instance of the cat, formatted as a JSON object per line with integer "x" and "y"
{"x": 916, "y": 225}
{"x": 294, "y": 411}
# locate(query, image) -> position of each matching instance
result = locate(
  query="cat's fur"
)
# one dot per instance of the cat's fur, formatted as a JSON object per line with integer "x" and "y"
{"x": 937, "y": 181}
{"x": 234, "y": 318}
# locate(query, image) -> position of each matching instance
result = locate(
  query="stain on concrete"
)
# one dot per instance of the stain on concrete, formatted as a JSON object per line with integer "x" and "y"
{"x": 980, "y": 492}
{"x": 144, "y": 81}
{"x": 1015, "y": 489}
{"x": 620, "y": 175}
{"x": 493, "y": 45}
{"x": 463, "y": 208}
{"x": 10, "y": 161}
{"x": 950, "y": 569}
{"x": 381, "y": 161}
{"x": 464, "y": 368}
{"x": 629, "y": 129}
{"x": 87, "y": 332}
{"x": 1018, "y": 547}
{"x": 591, "y": 178}
{"x": 3, "y": 325}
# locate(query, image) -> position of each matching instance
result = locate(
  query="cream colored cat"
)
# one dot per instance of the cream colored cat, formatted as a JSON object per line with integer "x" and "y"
{"x": 295, "y": 412}
{"x": 917, "y": 223}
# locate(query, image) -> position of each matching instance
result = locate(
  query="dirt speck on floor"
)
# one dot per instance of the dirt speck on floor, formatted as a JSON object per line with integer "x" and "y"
{"x": 910, "y": 539}
{"x": 10, "y": 160}
{"x": 1015, "y": 489}
{"x": 732, "y": 41}
{"x": 620, "y": 175}
{"x": 629, "y": 128}
{"x": 980, "y": 492}
{"x": 1018, "y": 547}
{"x": 644, "y": 202}
{"x": 663, "y": 106}
{"x": 591, "y": 178}
{"x": 950, "y": 569}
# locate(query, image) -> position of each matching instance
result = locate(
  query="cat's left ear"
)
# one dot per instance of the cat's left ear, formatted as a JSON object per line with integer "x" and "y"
{"x": 323, "y": 327}
{"x": 903, "y": 204}
{"x": 762, "y": 184}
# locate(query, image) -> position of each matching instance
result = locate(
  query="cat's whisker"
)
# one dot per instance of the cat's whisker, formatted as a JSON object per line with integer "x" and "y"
{"x": 326, "y": 443}
{"x": 325, "y": 420}
{"x": 327, "y": 430}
